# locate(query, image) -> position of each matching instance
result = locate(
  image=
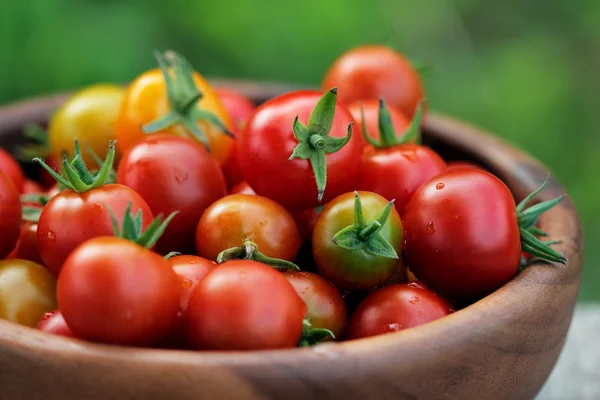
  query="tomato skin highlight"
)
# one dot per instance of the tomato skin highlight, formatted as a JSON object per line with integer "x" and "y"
{"x": 325, "y": 305}
{"x": 114, "y": 291}
{"x": 238, "y": 106}
{"x": 54, "y": 322}
{"x": 145, "y": 100}
{"x": 88, "y": 115}
{"x": 370, "y": 107}
{"x": 71, "y": 218}
{"x": 395, "y": 308}
{"x": 355, "y": 269}
{"x": 10, "y": 215}
{"x": 374, "y": 72}
{"x": 173, "y": 174}
{"x": 397, "y": 172}
{"x": 27, "y": 291}
{"x": 462, "y": 236}
{"x": 267, "y": 142}
{"x": 12, "y": 169}
{"x": 232, "y": 220}
{"x": 244, "y": 305}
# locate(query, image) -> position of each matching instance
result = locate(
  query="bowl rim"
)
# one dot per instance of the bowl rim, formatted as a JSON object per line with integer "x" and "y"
{"x": 525, "y": 173}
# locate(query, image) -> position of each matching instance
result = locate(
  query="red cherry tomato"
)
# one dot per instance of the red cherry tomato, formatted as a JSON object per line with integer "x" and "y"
{"x": 238, "y": 106}
{"x": 462, "y": 236}
{"x": 27, "y": 245}
{"x": 30, "y": 187}
{"x": 115, "y": 291}
{"x": 231, "y": 167}
{"x": 71, "y": 218}
{"x": 326, "y": 307}
{"x": 10, "y": 215}
{"x": 242, "y": 188}
{"x": 236, "y": 218}
{"x": 267, "y": 142}
{"x": 244, "y": 305}
{"x": 397, "y": 172}
{"x": 12, "y": 169}
{"x": 173, "y": 174}
{"x": 395, "y": 308}
{"x": 370, "y": 107}
{"x": 54, "y": 322}
{"x": 374, "y": 72}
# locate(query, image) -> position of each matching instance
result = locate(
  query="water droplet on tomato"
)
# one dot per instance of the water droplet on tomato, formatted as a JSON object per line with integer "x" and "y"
{"x": 430, "y": 229}
{"x": 51, "y": 235}
{"x": 439, "y": 186}
{"x": 47, "y": 315}
{"x": 413, "y": 300}
{"x": 417, "y": 285}
{"x": 179, "y": 314}
{"x": 395, "y": 327}
{"x": 263, "y": 223}
{"x": 187, "y": 283}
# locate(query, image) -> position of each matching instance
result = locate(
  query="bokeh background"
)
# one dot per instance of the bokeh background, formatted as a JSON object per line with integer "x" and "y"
{"x": 522, "y": 69}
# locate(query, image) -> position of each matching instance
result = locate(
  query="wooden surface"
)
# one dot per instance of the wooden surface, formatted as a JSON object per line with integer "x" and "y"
{"x": 502, "y": 347}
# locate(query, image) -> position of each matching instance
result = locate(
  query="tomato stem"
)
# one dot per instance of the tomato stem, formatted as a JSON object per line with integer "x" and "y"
{"x": 366, "y": 236}
{"x": 249, "y": 251}
{"x": 172, "y": 254}
{"x": 312, "y": 336}
{"x": 387, "y": 135}
{"x": 314, "y": 141}
{"x": 183, "y": 96}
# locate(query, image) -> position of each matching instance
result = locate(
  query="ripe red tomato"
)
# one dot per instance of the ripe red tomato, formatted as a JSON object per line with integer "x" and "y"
{"x": 358, "y": 266}
{"x": 71, "y": 218}
{"x": 10, "y": 215}
{"x": 397, "y": 172}
{"x": 155, "y": 170}
{"x": 395, "y": 308}
{"x": 244, "y": 305}
{"x": 325, "y": 305}
{"x": 30, "y": 187}
{"x": 462, "y": 236}
{"x": 12, "y": 169}
{"x": 242, "y": 188}
{"x": 268, "y": 141}
{"x": 370, "y": 107}
{"x": 114, "y": 291}
{"x": 54, "y": 322}
{"x": 231, "y": 167}
{"x": 236, "y": 218}
{"x": 238, "y": 106}
{"x": 374, "y": 72}
{"x": 27, "y": 245}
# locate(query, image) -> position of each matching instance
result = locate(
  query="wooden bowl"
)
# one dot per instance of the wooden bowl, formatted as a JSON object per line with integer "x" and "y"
{"x": 502, "y": 347}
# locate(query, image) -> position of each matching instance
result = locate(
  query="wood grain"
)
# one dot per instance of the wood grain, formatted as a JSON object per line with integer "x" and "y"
{"x": 502, "y": 347}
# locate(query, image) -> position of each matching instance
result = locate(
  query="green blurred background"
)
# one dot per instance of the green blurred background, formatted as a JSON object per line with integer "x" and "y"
{"x": 521, "y": 69}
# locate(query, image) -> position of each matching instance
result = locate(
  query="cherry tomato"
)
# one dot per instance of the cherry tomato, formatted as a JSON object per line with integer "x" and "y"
{"x": 10, "y": 215}
{"x": 30, "y": 187}
{"x": 356, "y": 269}
{"x": 89, "y": 115}
{"x": 54, "y": 322}
{"x": 373, "y": 72}
{"x": 462, "y": 236}
{"x": 244, "y": 305}
{"x": 267, "y": 142}
{"x": 27, "y": 246}
{"x": 71, "y": 218}
{"x": 325, "y": 305}
{"x": 231, "y": 166}
{"x": 463, "y": 164}
{"x": 146, "y": 100}
{"x": 397, "y": 172}
{"x": 238, "y": 106}
{"x": 12, "y": 169}
{"x": 173, "y": 174}
{"x": 115, "y": 291}
{"x": 27, "y": 290}
{"x": 395, "y": 308}
{"x": 242, "y": 188}
{"x": 370, "y": 108}
{"x": 232, "y": 220}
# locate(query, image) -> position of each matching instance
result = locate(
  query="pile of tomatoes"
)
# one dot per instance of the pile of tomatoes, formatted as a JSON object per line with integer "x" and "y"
{"x": 178, "y": 215}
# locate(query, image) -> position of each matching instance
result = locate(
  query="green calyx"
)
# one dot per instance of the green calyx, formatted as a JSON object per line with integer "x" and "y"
{"x": 131, "y": 227}
{"x": 314, "y": 142}
{"x": 77, "y": 177}
{"x": 183, "y": 96}
{"x": 527, "y": 218}
{"x": 366, "y": 236}
{"x": 38, "y": 143}
{"x": 32, "y": 213}
{"x": 387, "y": 136}
{"x": 249, "y": 251}
{"x": 171, "y": 255}
{"x": 311, "y": 336}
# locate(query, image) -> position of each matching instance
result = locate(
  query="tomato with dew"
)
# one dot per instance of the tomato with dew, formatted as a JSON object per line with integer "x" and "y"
{"x": 54, "y": 322}
{"x": 12, "y": 169}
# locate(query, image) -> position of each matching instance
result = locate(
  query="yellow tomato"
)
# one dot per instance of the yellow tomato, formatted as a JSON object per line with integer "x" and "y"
{"x": 146, "y": 100}
{"x": 27, "y": 290}
{"x": 89, "y": 115}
